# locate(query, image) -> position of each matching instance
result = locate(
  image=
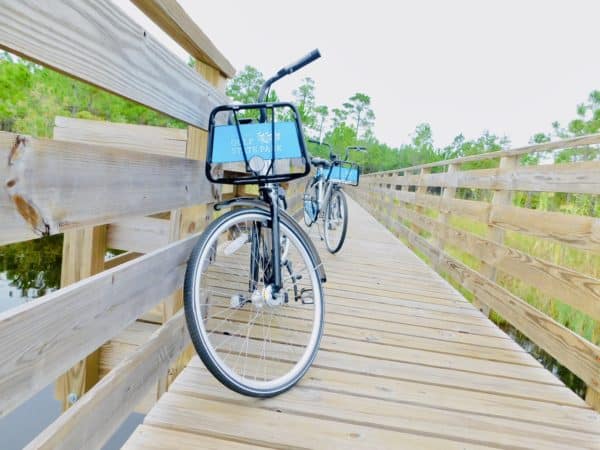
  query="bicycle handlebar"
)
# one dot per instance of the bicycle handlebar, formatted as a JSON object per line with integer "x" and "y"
{"x": 332, "y": 155}
{"x": 358, "y": 148}
{"x": 315, "y": 54}
{"x": 307, "y": 59}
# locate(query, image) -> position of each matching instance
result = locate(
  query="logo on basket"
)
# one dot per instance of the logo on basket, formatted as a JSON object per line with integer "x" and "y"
{"x": 265, "y": 137}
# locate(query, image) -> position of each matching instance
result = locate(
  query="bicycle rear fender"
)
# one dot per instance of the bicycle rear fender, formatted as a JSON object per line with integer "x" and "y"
{"x": 289, "y": 221}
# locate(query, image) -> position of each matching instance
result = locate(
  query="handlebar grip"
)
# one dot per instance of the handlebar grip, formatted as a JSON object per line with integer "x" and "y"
{"x": 315, "y": 54}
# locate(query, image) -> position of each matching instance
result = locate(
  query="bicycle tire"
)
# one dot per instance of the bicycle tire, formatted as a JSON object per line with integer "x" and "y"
{"x": 337, "y": 200}
{"x": 195, "y": 310}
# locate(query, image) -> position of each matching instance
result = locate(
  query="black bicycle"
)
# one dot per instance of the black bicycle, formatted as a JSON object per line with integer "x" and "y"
{"x": 253, "y": 286}
{"x": 324, "y": 200}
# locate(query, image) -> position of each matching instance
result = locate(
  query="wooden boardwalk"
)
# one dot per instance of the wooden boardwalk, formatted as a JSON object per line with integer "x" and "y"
{"x": 405, "y": 362}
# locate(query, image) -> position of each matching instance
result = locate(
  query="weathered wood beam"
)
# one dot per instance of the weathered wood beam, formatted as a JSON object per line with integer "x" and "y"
{"x": 579, "y": 141}
{"x": 174, "y": 21}
{"x": 98, "y": 43}
{"x": 98, "y": 414}
{"x": 43, "y": 337}
{"x": 141, "y": 138}
{"x": 574, "y": 352}
{"x": 138, "y": 234}
{"x": 58, "y": 185}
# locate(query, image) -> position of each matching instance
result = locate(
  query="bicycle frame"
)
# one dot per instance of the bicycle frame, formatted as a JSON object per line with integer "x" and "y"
{"x": 324, "y": 190}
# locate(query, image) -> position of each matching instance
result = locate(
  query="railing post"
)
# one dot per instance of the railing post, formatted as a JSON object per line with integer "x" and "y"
{"x": 499, "y": 198}
{"x": 189, "y": 220}
{"x": 592, "y": 398}
{"x": 83, "y": 256}
{"x": 448, "y": 193}
{"x": 420, "y": 190}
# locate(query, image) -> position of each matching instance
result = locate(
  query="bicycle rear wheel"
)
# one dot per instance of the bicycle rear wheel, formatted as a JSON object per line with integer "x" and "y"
{"x": 336, "y": 221}
{"x": 252, "y": 342}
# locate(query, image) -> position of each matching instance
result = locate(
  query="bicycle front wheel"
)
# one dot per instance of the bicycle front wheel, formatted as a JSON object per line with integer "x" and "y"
{"x": 336, "y": 221}
{"x": 311, "y": 203}
{"x": 252, "y": 341}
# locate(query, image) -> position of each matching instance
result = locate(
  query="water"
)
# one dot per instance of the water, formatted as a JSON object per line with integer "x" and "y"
{"x": 29, "y": 270}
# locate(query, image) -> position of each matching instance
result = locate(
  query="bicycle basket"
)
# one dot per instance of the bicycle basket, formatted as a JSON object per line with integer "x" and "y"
{"x": 249, "y": 151}
{"x": 344, "y": 172}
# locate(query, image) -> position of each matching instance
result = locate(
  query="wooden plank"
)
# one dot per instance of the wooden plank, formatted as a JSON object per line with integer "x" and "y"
{"x": 417, "y": 419}
{"x": 574, "y": 288}
{"x": 577, "y": 178}
{"x": 98, "y": 43}
{"x": 174, "y": 21}
{"x": 445, "y": 398}
{"x": 138, "y": 234}
{"x": 592, "y": 397}
{"x": 54, "y": 184}
{"x": 263, "y": 427}
{"x": 94, "y": 418}
{"x": 155, "y": 438}
{"x": 120, "y": 259}
{"x": 499, "y": 198}
{"x": 141, "y": 138}
{"x": 579, "y": 141}
{"x": 574, "y": 352}
{"x": 578, "y": 231}
{"x": 43, "y": 337}
{"x": 83, "y": 256}
{"x": 14, "y": 227}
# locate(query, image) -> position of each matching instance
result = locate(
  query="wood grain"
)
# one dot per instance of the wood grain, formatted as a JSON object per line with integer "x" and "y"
{"x": 59, "y": 185}
{"x": 96, "y": 416}
{"x": 83, "y": 256}
{"x": 577, "y": 178}
{"x": 174, "y": 21}
{"x": 579, "y": 141}
{"x": 98, "y": 43}
{"x": 42, "y": 338}
{"x": 141, "y": 138}
{"x": 138, "y": 234}
{"x": 579, "y": 355}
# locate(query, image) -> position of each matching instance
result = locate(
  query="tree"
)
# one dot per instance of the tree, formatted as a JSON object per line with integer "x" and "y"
{"x": 322, "y": 113}
{"x": 305, "y": 101}
{"x": 244, "y": 88}
{"x": 358, "y": 109}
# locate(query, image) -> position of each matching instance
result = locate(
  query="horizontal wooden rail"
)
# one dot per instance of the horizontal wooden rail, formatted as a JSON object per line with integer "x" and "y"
{"x": 41, "y": 338}
{"x": 579, "y": 141}
{"x": 582, "y": 232}
{"x": 98, "y": 414}
{"x": 421, "y": 207}
{"x": 579, "y": 355}
{"x": 577, "y": 178}
{"x": 59, "y": 185}
{"x": 574, "y": 288}
{"x": 140, "y": 138}
{"x": 139, "y": 234}
{"x": 174, "y": 21}
{"x": 97, "y": 43}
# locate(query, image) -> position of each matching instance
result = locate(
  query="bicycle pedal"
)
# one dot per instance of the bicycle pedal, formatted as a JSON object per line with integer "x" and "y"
{"x": 306, "y": 296}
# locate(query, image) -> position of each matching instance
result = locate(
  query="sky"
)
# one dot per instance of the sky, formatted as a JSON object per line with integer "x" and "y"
{"x": 464, "y": 66}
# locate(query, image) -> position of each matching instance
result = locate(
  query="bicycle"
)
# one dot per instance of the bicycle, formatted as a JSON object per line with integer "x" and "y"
{"x": 324, "y": 200}
{"x": 253, "y": 295}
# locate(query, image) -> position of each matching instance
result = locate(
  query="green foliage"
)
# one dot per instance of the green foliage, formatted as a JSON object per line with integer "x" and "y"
{"x": 31, "y": 97}
{"x": 33, "y": 264}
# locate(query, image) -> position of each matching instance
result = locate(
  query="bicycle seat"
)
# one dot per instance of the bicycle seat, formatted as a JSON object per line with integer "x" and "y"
{"x": 319, "y": 162}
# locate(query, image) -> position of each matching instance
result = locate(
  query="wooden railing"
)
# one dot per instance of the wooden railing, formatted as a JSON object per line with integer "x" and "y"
{"x": 139, "y": 189}
{"x": 469, "y": 226}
